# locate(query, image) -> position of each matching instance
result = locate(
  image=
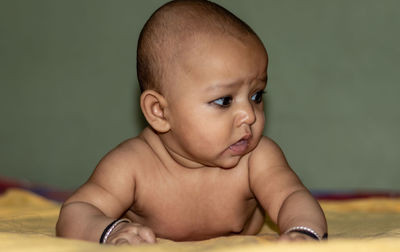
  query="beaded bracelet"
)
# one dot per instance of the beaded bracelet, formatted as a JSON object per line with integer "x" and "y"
{"x": 307, "y": 231}
{"x": 107, "y": 231}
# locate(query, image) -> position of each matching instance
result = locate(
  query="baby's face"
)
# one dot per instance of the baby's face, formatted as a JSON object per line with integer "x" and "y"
{"x": 215, "y": 101}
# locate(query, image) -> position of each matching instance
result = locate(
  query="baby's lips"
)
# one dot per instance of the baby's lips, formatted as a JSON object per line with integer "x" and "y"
{"x": 239, "y": 147}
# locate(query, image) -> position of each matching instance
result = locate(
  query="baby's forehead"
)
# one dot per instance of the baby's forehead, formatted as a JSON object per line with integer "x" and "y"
{"x": 188, "y": 40}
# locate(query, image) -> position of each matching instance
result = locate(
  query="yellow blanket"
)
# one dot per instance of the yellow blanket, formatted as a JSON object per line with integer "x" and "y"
{"x": 27, "y": 224}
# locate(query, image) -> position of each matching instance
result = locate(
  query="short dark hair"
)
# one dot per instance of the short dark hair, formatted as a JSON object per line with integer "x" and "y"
{"x": 168, "y": 28}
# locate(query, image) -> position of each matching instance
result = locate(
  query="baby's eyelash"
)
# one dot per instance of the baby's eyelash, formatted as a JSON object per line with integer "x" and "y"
{"x": 226, "y": 101}
{"x": 258, "y": 96}
{"x": 223, "y": 102}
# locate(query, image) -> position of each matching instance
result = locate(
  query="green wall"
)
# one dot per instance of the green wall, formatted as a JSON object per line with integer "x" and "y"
{"x": 68, "y": 88}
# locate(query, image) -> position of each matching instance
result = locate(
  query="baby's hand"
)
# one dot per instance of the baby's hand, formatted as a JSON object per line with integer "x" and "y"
{"x": 295, "y": 236}
{"x": 131, "y": 233}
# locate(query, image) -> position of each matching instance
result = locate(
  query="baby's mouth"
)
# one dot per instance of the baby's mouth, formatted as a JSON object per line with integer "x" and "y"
{"x": 240, "y": 146}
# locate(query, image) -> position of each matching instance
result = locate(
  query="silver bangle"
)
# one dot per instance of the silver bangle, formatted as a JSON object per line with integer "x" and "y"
{"x": 107, "y": 231}
{"x": 304, "y": 230}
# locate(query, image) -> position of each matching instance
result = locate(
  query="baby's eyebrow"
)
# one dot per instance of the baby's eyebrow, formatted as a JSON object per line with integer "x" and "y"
{"x": 263, "y": 77}
{"x": 223, "y": 86}
{"x": 217, "y": 86}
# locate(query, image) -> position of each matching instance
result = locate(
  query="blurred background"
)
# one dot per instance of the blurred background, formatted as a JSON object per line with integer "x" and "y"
{"x": 69, "y": 93}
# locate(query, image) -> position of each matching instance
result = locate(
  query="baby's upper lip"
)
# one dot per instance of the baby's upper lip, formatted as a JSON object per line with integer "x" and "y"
{"x": 244, "y": 138}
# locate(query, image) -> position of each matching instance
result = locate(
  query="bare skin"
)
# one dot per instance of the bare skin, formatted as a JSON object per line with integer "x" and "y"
{"x": 174, "y": 203}
{"x": 204, "y": 169}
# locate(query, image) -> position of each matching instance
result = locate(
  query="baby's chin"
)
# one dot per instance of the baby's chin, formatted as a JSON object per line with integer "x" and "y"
{"x": 228, "y": 162}
{"x": 224, "y": 160}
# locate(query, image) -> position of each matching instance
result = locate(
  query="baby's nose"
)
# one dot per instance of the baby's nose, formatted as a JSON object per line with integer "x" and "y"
{"x": 245, "y": 115}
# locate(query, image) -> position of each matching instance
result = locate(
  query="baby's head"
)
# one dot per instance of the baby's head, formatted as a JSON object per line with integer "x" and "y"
{"x": 202, "y": 72}
{"x": 172, "y": 30}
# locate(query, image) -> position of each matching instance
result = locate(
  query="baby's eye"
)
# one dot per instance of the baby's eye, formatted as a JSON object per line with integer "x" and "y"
{"x": 223, "y": 101}
{"x": 257, "y": 97}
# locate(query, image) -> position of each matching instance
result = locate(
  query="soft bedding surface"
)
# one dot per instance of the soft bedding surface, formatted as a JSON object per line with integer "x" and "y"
{"x": 27, "y": 223}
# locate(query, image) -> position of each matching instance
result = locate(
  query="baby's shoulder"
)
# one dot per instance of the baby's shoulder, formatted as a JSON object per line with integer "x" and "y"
{"x": 133, "y": 152}
{"x": 266, "y": 145}
{"x": 136, "y": 147}
{"x": 267, "y": 153}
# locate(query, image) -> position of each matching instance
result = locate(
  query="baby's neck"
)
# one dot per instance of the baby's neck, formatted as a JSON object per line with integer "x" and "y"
{"x": 182, "y": 161}
{"x": 167, "y": 155}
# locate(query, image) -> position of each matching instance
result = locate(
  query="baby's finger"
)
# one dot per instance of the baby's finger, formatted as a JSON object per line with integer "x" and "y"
{"x": 294, "y": 236}
{"x": 127, "y": 238}
{"x": 121, "y": 241}
{"x": 147, "y": 234}
{"x": 284, "y": 238}
{"x": 135, "y": 240}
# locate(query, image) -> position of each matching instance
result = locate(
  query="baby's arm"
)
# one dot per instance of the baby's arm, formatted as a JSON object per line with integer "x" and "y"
{"x": 105, "y": 197}
{"x": 281, "y": 193}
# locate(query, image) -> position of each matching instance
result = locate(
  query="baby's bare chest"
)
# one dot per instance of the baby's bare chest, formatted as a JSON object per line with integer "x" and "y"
{"x": 194, "y": 209}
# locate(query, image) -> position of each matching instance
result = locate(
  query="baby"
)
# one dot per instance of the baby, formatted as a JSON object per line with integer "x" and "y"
{"x": 202, "y": 168}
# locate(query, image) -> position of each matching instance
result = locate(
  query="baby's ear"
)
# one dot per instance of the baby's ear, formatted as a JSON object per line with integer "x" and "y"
{"x": 153, "y": 106}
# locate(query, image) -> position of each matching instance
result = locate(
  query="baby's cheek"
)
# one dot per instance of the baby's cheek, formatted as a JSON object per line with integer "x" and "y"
{"x": 258, "y": 127}
{"x": 261, "y": 118}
